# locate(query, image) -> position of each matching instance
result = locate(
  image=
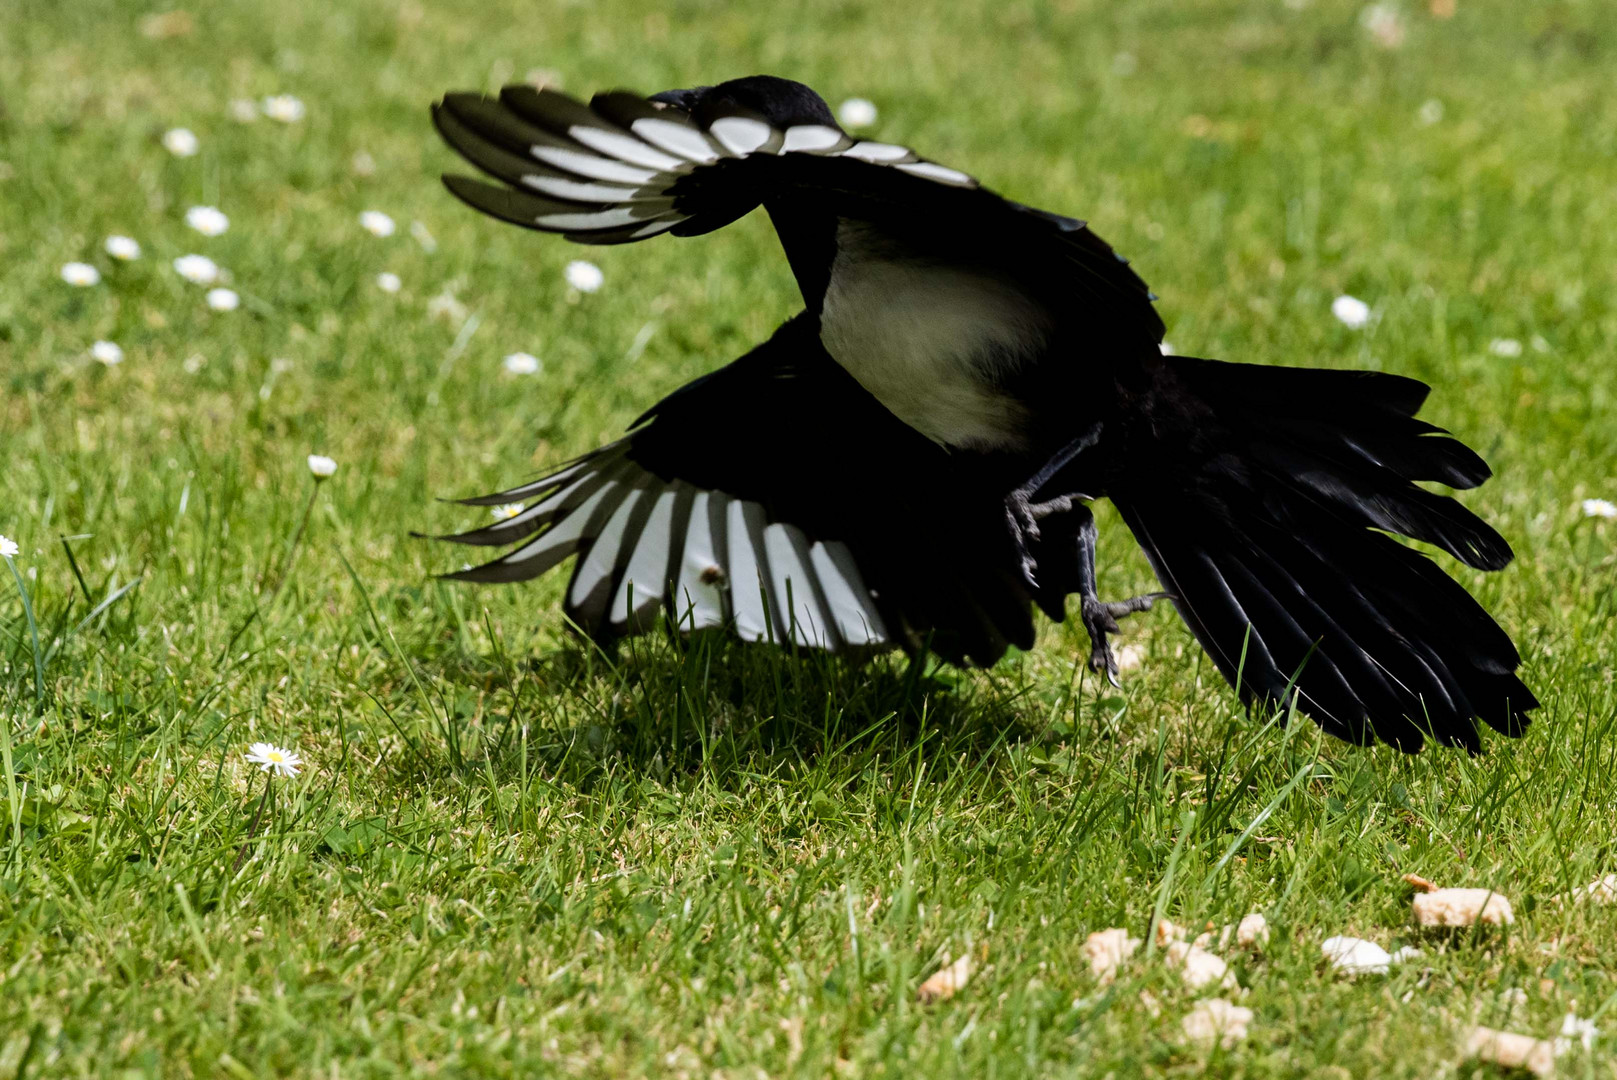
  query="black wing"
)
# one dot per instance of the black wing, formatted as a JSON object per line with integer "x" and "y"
{"x": 622, "y": 169}
{"x": 776, "y": 497}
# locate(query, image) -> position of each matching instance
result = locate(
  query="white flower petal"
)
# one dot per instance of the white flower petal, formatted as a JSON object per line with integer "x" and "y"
{"x": 123, "y": 247}
{"x": 81, "y": 274}
{"x": 8, "y": 546}
{"x": 197, "y": 269}
{"x": 283, "y": 107}
{"x": 223, "y": 299}
{"x": 321, "y": 465}
{"x": 1352, "y": 311}
{"x": 1600, "y": 508}
{"x": 506, "y": 512}
{"x": 856, "y": 112}
{"x": 207, "y": 220}
{"x": 180, "y": 142}
{"x": 584, "y": 276}
{"x": 376, "y": 223}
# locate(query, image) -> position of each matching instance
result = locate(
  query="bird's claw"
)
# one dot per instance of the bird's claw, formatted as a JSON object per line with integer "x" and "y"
{"x": 1100, "y": 619}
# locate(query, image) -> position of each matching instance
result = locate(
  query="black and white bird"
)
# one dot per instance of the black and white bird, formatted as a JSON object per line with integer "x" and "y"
{"x": 907, "y": 461}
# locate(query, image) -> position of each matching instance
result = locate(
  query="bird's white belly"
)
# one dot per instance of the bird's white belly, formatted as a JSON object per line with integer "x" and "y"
{"x": 931, "y": 341}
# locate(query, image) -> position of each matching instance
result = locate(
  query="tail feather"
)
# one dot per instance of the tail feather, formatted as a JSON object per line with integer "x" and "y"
{"x": 1263, "y": 501}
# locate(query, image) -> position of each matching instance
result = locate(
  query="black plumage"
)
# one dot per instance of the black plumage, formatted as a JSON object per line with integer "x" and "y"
{"x": 906, "y": 462}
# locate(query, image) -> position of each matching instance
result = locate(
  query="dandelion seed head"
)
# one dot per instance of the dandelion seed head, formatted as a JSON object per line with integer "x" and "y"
{"x": 223, "y": 299}
{"x": 81, "y": 274}
{"x": 197, "y": 269}
{"x": 123, "y": 247}
{"x": 583, "y": 276}
{"x": 521, "y": 363}
{"x": 376, "y": 223}
{"x": 207, "y": 220}
{"x": 856, "y": 112}
{"x": 107, "y": 352}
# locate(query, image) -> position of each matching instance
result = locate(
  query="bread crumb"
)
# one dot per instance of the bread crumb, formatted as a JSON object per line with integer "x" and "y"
{"x": 1462, "y": 907}
{"x": 1217, "y": 1020}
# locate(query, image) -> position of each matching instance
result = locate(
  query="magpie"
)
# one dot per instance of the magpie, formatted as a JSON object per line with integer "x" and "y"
{"x": 908, "y": 461}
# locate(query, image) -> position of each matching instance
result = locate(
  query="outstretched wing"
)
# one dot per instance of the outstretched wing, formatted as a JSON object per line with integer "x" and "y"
{"x": 778, "y": 498}
{"x": 622, "y": 169}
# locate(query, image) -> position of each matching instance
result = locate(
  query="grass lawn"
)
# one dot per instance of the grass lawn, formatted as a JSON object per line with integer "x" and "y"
{"x": 510, "y": 855}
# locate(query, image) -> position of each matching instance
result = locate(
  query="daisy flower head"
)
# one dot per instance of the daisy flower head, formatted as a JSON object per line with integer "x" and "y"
{"x": 321, "y": 466}
{"x": 283, "y": 107}
{"x": 197, "y": 269}
{"x": 521, "y": 363}
{"x": 223, "y": 299}
{"x": 583, "y": 276}
{"x": 1599, "y": 508}
{"x": 506, "y": 512}
{"x": 8, "y": 547}
{"x": 207, "y": 220}
{"x": 856, "y": 112}
{"x": 271, "y": 758}
{"x": 388, "y": 282}
{"x": 180, "y": 142}
{"x": 107, "y": 352}
{"x": 123, "y": 248}
{"x": 376, "y": 223}
{"x": 1352, "y": 312}
{"x": 81, "y": 274}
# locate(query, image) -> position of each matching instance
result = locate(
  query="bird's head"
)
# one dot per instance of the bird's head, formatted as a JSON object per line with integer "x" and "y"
{"x": 781, "y": 102}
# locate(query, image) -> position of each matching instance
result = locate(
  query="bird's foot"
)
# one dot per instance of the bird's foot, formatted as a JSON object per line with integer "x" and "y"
{"x": 1024, "y": 516}
{"x": 1100, "y": 619}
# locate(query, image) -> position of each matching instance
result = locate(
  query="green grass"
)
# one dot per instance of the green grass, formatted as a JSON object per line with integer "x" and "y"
{"x": 510, "y": 855}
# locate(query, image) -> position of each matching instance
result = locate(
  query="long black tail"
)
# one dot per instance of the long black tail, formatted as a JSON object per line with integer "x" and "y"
{"x": 1263, "y": 497}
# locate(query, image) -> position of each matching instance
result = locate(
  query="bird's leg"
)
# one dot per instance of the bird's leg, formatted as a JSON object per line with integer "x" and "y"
{"x": 1100, "y": 617}
{"x": 1024, "y": 514}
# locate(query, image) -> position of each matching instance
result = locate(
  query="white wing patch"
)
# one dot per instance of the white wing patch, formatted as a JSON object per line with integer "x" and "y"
{"x": 708, "y": 559}
{"x": 620, "y": 181}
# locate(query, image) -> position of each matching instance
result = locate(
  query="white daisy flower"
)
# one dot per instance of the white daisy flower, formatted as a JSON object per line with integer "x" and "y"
{"x": 321, "y": 466}
{"x": 8, "y": 547}
{"x": 521, "y": 363}
{"x": 506, "y": 512}
{"x": 283, "y": 107}
{"x": 1352, "y": 311}
{"x": 107, "y": 352}
{"x": 243, "y": 111}
{"x": 207, "y": 220}
{"x": 583, "y": 276}
{"x": 271, "y": 758}
{"x": 223, "y": 299}
{"x": 376, "y": 223}
{"x": 1505, "y": 346}
{"x": 1431, "y": 111}
{"x": 856, "y": 112}
{"x": 197, "y": 269}
{"x": 123, "y": 247}
{"x": 81, "y": 274}
{"x": 1600, "y": 508}
{"x": 180, "y": 142}
{"x": 388, "y": 283}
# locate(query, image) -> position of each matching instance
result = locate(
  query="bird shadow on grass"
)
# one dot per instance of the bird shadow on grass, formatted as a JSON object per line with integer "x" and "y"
{"x": 660, "y": 706}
